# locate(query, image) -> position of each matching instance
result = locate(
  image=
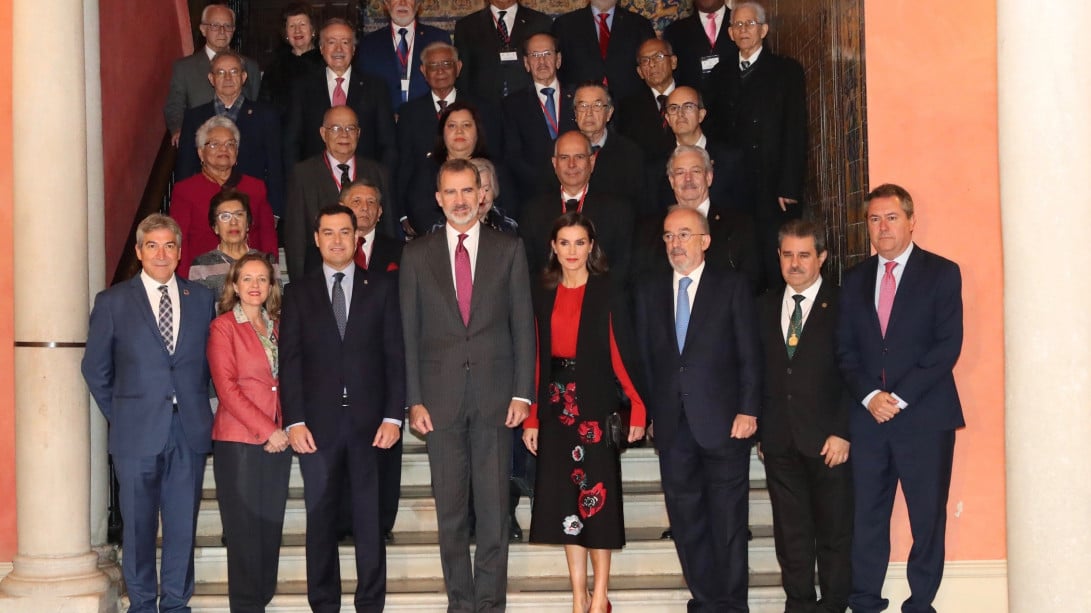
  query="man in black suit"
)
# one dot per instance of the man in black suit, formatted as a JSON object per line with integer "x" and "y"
{"x": 805, "y": 427}
{"x": 702, "y": 362}
{"x": 685, "y": 111}
{"x": 599, "y": 43}
{"x": 393, "y": 53}
{"x": 691, "y": 173}
{"x": 899, "y": 336}
{"x": 619, "y": 162}
{"x": 336, "y": 85}
{"x": 317, "y": 181}
{"x": 701, "y": 41}
{"x": 342, "y": 377}
{"x": 490, "y": 43}
{"x": 188, "y": 77}
{"x": 535, "y": 116}
{"x": 757, "y": 105}
{"x": 573, "y": 164}
{"x": 259, "y": 129}
{"x": 643, "y": 115}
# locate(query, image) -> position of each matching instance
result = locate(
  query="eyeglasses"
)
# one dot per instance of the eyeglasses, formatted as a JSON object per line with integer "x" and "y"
{"x": 588, "y": 107}
{"x": 683, "y": 236}
{"x": 222, "y": 73}
{"x": 746, "y": 25}
{"x": 445, "y": 64}
{"x": 230, "y": 145}
{"x": 226, "y": 216}
{"x": 686, "y": 107}
{"x": 538, "y": 55}
{"x": 339, "y": 130}
{"x": 655, "y": 58}
{"x": 219, "y": 27}
{"x": 681, "y": 172}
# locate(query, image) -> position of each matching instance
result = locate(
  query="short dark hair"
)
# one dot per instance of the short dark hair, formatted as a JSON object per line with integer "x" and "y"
{"x": 598, "y": 85}
{"x": 890, "y": 190}
{"x": 596, "y": 260}
{"x": 331, "y": 210}
{"x": 803, "y": 228}
{"x": 225, "y": 54}
{"x": 459, "y": 165}
{"x": 229, "y": 195}
{"x": 439, "y": 151}
{"x": 297, "y": 8}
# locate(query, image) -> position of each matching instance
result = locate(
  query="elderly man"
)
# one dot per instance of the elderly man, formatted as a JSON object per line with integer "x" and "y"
{"x": 342, "y": 377}
{"x": 702, "y": 360}
{"x": 490, "y": 42}
{"x": 701, "y": 41}
{"x": 260, "y": 153}
{"x": 619, "y": 161}
{"x": 685, "y": 111}
{"x": 394, "y": 54}
{"x": 318, "y": 180}
{"x": 691, "y": 174}
{"x": 600, "y": 42}
{"x": 535, "y": 116}
{"x": 898, "y": 339}
{"x": 469, "y": 344}
{"x": 757, "y": 104}
{"x": 805, "y": 427}
{"x": 145, "y": 366}
{"x": 573, "y": 164}
{"x": 642, "y": 116}
{"x": 189, "y": 75}
{"x": 339, "y": 85}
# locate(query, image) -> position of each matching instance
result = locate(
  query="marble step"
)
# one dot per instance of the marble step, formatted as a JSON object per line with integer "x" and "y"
{"x": 632, "y": 594}
{"x": 639, "y": 464}
{"x": 644, "y": 508}
{"x": 418, "y": 558}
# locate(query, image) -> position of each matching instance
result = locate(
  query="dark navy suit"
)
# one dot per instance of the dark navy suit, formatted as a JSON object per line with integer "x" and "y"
{"x": 158, "y": 447}
{"x": 914, "y": 361}
{"x": 693, "y": 398}
{"x": 375, "y": 55}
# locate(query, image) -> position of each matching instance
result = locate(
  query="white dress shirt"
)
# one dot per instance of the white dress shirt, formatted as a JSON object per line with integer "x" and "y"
{"x": 331, "y": 82}
{"x": 788, "y": 305}
{"x": 897, "y": 273}
{"x": 691, "y": 291}
{"x": 473, "y": 236}
{"x": 151, "y": 288}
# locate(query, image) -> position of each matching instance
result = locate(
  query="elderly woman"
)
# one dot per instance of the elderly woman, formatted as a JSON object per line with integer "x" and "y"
{"x": 249, "y": 444}
{"x": 229, "y": 218}
{"x": 297, "y": 57}
{"x": 490, "y": 213}
{"x": 218, "y": 146}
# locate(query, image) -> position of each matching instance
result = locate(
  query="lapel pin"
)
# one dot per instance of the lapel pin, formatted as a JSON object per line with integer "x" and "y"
{"x": 365, "y": 281}
{"x": 249, "y": 111}
{"x": 823, "y": 305}
{"x": 717, "y": 217}
{"x": 185, "y": 292}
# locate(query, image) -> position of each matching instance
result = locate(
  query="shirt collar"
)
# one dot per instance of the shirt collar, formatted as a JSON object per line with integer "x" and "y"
{"x": 151, "y": 284}
{"x": 808, "y": 294}
{"x": 452, "y": 233}
{"x": 349, "y": 271}
{"x": 695, "y": 275}
{"x": 901, "y": 259}
{"x": 752, "y": 58}
{"x": 666, "y": 92}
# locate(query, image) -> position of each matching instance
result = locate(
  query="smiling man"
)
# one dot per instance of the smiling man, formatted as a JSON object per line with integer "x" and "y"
{"x": 619, "y": 162}
{"x": 393, "y": 53}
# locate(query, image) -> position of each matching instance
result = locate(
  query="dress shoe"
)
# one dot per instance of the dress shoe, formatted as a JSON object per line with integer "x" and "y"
{"x": 668, "y": 535}
{"x": 516, "y": 531}
{"x": 388, "y": 536}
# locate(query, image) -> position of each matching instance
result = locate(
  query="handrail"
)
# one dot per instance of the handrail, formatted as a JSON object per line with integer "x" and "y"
{"x": 156, "y": 199}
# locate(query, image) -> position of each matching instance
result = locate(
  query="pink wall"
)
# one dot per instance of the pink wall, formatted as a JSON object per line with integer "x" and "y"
{"x": 8, "y": 534}
{"x": 931, "y": 120}
{"x": 134, "y": 88}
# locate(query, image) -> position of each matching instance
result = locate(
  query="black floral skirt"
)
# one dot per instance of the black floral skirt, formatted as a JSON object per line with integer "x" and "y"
{"x": 577, "y": 494}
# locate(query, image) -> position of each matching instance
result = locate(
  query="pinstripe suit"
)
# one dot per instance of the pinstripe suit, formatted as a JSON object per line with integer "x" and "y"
{"x": 466, "y": 376}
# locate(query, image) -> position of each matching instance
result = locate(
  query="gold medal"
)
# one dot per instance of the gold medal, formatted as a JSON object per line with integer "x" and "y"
{"x": 793, "y": 340}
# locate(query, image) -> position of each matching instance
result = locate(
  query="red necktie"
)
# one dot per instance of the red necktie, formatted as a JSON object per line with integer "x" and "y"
{"x": 464, "y": 281}
{"x": 361, "y": 256}
{"x": 604, "y": 35}
{"x": 339, "y": 98}
{"x": 887, "y": 288}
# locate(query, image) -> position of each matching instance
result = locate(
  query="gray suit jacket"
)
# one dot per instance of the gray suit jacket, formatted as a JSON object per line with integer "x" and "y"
{"x": 189, "y": 86}
{"x": 496, "y": 350}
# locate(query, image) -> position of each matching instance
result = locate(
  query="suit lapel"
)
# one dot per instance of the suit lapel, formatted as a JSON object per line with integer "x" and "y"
{"x": 487, "y": 262}
{"x": 819, "y": 316}
{"x": 911, "y": 279}
{"x": 701, "y": 303}
{"x": 440, "y": 260}
{"x": 665, "y": 291}
{"x": 870, "y": 268}
{"x": 356, "y": 301}
{"x": 139, "y": 297}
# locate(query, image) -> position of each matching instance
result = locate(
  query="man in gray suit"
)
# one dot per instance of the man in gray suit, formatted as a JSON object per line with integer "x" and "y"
{"x": 469, "y": 349}
{"x": 189, "y": 80}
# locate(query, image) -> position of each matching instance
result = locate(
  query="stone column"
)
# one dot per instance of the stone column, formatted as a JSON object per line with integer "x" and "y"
{"x": 55, "y": 568}
{"x": 1045, "y": 156}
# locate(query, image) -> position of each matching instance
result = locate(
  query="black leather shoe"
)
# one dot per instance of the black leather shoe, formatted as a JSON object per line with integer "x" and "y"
{"x": 516, "y": 531}
{"x": 667, "y": 535}
{"x": 388, "y": 536}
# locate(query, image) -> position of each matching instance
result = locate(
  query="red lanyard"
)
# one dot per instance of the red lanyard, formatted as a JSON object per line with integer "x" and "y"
{"x": 335, "y": 174}
{"x": 402, "y": 59}
{"x": 579, "y": 207}
{"x": 549, "y": 117}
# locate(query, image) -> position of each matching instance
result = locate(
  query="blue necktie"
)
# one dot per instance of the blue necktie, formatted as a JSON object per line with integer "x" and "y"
{"x": 681, "y": 317}
{"x": 403, "y": 58}
{"x": 551, "y": 111}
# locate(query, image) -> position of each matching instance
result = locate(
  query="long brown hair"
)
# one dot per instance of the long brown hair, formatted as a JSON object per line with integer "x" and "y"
{"x": 228, "y": 297}
{"x": 596, "y": 260}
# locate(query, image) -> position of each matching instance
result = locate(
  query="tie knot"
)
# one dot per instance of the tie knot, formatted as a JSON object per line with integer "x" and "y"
{"x": 603, "y": 17}
{"x": 402, "y": 32}
{"x": 683, "y": 283}
{"x": 711, "y": 17}
{"x": 337, "y": 276}
{"x": 163, "y": 289}
{"x": 890, "y": 267}
{"x": 548, "y": 92}
{"x": 798, "y": 298}
{"x": 661, "y": 99}
{"x": 462, "y": 239}
{"x": 340, "y": 80}
{"x": 501, "y": 14}
{"x": 360, "y": 241}
{"x": 343, "y": 167}
{"x": 745, "y": 64}
{"x": 571, "y": 205}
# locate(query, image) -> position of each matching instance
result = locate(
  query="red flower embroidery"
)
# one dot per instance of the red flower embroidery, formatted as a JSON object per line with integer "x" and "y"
{"x": 590, "y": 432}
{"x": 592, "y": 500}
{"x": 579, "y": 478}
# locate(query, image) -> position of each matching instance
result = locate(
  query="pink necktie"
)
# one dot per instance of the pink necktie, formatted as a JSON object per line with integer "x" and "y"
{"x": 339, "y": 98}
{"x": 887, "y": 287}
{"x": 464, "y": 282}
{"x": 710, "y": 29}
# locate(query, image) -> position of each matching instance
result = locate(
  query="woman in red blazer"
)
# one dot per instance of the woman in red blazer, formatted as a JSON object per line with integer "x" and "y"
{"x": 251, "y": 461}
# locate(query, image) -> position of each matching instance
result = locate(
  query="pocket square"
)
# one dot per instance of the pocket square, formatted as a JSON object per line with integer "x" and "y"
{"x": 391, "y": 267}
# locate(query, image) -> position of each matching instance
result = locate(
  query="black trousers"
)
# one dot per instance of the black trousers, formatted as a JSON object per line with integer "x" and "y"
{"x": 252, "y": 489}
{"x": 812, "y": 520}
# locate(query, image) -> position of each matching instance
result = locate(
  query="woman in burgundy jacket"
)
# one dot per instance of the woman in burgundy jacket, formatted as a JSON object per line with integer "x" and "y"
{"x": 251, "y": 461}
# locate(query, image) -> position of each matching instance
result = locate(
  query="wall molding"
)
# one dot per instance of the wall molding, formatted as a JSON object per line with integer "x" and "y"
{"x": 969, "y": 586}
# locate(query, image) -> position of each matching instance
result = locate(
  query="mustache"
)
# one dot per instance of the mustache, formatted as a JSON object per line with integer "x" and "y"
{"x": 678, "y": 251}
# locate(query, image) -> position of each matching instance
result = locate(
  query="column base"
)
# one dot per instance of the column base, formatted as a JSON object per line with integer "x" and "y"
{"x": 70, "y": 583}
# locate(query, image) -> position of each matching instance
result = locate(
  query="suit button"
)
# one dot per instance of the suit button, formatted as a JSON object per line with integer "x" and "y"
{"x": 467, "y": 365}
{"x": 681, "y": 369}
{"x": 789, "y": 371}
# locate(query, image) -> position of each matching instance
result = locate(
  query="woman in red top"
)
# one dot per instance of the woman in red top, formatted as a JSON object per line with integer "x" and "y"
{"x": 583, "y": 351}
{"x": 249, "y": 447}
{"x": 218, "y": 148}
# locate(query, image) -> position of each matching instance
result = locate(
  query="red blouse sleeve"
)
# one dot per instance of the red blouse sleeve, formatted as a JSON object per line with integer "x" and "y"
{"x": 638, "y": 417}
